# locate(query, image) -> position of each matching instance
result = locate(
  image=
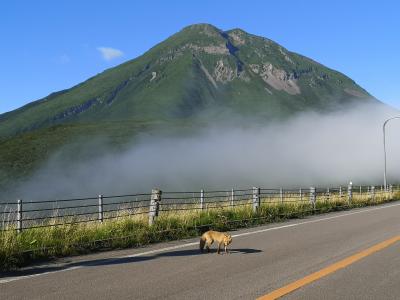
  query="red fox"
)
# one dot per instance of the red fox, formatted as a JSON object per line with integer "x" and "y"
{"x": 210, "y": 236}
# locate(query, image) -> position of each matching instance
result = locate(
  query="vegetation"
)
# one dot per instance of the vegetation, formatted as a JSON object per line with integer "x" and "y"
{"x": 175, "y": 87}
{"x": 19, "y": 249}
{"x": 181, "y": 87}
{"x": 188, "y": 90}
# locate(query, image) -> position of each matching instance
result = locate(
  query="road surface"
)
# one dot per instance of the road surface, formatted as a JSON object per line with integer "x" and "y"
{"x": 262, "y": 260}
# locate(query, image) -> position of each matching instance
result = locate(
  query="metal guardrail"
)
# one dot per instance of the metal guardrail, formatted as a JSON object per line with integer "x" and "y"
{"x": 22, "y": 215}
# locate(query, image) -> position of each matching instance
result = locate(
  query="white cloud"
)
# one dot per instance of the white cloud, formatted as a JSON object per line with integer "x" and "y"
{"x": 109, "y": 53}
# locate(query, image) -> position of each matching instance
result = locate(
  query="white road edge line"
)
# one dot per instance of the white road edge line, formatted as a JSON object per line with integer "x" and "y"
{"x": 36, "y": 275}
{"x": 195, "y": 243}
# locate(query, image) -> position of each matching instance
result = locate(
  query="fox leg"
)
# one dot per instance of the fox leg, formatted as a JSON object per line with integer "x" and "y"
{"x": 202, "y": 244}
{"x": 208, "y": 244}
{"x": 219, "y": 248}
{"x": 226, "y": 249}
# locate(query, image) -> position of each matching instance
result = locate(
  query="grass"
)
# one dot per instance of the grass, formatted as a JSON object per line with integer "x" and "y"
{"x": 20, "y": 249}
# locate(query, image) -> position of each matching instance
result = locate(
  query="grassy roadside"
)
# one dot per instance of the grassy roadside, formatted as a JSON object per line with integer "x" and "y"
{"x": 17, "y": 250}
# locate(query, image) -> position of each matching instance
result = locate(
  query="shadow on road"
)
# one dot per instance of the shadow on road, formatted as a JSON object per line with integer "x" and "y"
{"x": 124, "y": 260}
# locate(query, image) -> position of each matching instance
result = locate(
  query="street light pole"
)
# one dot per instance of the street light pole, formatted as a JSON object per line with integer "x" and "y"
{"x": 384, "y": 150}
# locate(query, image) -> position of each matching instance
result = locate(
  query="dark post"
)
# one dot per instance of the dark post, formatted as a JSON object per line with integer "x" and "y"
{"x": 202, "y": 199}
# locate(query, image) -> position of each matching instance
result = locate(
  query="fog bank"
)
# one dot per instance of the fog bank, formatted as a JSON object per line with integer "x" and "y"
{"x": 310, "y": 149}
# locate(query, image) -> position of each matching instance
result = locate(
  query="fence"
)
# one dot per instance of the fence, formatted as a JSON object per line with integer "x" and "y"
{"x": 22, "y": 215}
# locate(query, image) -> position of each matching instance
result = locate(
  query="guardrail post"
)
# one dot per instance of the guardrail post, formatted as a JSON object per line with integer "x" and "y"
{"x": 350, "y": 192}
{"x": 201, "y": 199}
{"x": 154, "y": 205}
{"x": 313, "y": 197}
{"x": 232, "y": 197}
{"x": 256, "y": 198}
{"x": 281, "y": 195}
{"x": 19, "y": 216}
{"x": 373, "y": 193}
{"x": 101, "y": 208}
{"x": 328, "y": 195}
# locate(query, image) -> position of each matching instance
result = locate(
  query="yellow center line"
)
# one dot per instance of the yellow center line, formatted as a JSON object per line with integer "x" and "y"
{"x": 328, "y": 270}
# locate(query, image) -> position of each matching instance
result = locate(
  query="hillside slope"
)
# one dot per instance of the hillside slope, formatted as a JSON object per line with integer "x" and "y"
{"x": 196, "y": 76}
{"x": 199, "y": 68}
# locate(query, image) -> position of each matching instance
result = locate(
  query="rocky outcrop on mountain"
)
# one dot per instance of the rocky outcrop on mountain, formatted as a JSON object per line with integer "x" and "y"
{"x": 199, "y": 67}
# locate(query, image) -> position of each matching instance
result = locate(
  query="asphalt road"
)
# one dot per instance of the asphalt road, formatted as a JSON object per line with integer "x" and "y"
{"x": 262, "y": 260}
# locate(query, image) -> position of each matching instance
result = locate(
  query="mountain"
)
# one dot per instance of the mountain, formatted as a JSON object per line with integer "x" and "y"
{"x": 198, "y": 75}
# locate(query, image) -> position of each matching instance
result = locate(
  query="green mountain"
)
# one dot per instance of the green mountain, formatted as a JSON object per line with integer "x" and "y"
{"x": 196, "y": 76}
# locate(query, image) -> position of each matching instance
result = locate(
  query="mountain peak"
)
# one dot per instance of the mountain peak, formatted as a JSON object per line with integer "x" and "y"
{"x": 200, "y": 67}
{"x": 237, "y": 31}
{"x": 197, "y": 76}
{"x": 203, "y": 28}
{"x": 200, "y": 26}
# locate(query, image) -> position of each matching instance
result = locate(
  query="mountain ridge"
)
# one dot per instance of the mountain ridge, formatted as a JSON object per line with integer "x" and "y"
{"x": 200, "y": 75}
{"x": 204, "y": 53}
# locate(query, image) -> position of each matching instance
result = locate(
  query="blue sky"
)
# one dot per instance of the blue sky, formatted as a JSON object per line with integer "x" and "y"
{"x": 47, "y": 46}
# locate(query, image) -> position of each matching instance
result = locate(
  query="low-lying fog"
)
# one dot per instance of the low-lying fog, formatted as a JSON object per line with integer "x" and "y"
{"x": 308, "y": 150}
